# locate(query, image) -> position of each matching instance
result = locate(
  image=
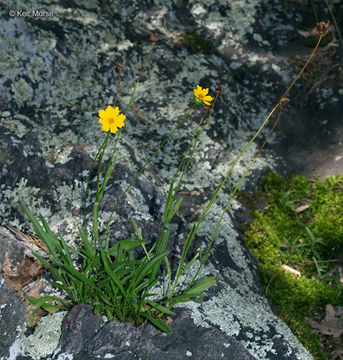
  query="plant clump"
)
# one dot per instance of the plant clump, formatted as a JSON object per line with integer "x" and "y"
{"x": 111, "y": 278}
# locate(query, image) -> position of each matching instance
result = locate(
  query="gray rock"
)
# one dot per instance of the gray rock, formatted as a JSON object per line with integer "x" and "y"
{"x": 57, "y": 72}
{"x": 124, "y": 341}
{"x": 78, "y": 328}
{"x": 12, "y": 319}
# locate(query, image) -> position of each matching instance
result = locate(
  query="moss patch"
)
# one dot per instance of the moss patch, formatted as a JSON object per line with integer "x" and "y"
{"x": 195, "y": 42}
{"x": 301, "y": 226}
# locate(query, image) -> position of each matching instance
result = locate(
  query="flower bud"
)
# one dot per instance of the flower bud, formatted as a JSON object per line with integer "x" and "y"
{"x": 284, "y": 100}
{"x": 154, "y": 38}
{"x": 197, "y": 101}
{"x": 218, "y": 89}
{"x": 118, "y": 69}
{"x": 323, "y": 28}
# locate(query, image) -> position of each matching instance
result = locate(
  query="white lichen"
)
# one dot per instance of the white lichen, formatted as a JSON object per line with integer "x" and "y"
{"x": 45, "y": 338}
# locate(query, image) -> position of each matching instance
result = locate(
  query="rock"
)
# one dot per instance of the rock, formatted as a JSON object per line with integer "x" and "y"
{"x": 45, "y": 337}
{"x": 78, "y": 328}
{"x": 12, "y": 320}
{"x": 57, "y": 72}
{"x": 196, "y": 342}
{"x": 124, "y": 341}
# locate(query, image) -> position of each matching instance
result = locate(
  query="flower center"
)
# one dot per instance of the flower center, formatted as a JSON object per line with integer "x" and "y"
{"x": 111, "y": 121}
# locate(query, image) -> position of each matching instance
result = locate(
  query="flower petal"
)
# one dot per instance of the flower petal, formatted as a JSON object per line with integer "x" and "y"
{"x": 102, "y": 113}
{"x": 115, "y": 111}
{"x": 120, "y": 120}
{"x": 113, "y": 129}
{"x": 105, "y": 127}
{"x": 208, "y": 98}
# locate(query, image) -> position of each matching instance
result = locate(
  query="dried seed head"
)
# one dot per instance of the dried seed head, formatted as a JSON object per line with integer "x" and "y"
{"x": 284, "y": 100}
{"x": 154, "y": 38}
{"x": 218, "y": 89}
{"x": 118, "y": 69}
{"x": 206, "y": 107}
{"x": 323, "y": 28}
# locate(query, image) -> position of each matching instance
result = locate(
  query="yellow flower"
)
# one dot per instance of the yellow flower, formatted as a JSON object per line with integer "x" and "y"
{"x": 201, "y": 94}
{"x": 111, "y": 120}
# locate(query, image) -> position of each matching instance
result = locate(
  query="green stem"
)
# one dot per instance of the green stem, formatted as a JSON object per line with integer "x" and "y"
{"x": 112, "y": 162}
{"x": 99, "y": 165}
{"x": 196, "y": 134}
{"x": 171, "y": 203}
{"x": 186, "y": 152}
{"x": 95, "y": 223}
{"x": 107, "y": 231}
{"x": 108, "y": 171}
{"x": 219, "y": 222}
{"x": 233, "y": 165}
{"x": 192, "y": 234}
{"x": 231, "y": 197}
{"x": 100, "y": 189}
{"x": 194, "y": 231}
{"x": 240, "y": 155}
{"x": 87, "y": 187}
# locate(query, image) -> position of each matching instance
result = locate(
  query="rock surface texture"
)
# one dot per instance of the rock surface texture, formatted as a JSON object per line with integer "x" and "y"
{"x": 57, "y": 72}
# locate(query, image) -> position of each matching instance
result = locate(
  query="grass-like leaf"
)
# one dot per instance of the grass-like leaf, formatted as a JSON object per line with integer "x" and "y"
{"x": 160, "y": 307}
{"x": 157, "y": 322}
{"x": 202, "y": 285}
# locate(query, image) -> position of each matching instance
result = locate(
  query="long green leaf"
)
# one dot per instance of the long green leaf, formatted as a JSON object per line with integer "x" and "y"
{"x": 81, "y": 277}
{"x": 169, "y": 274}
{"x": 52, "y": 237}
{"x": 136, "y": 229}
{"x": 161, "y": 249}
{"x": 140, "y": 237}
{"x": 202, "y": 285}
{"x": 176, "y": 207}
{"x": 40, "y": 232}
{"x": 182, "y": 299}
{"x": 168, "y": 203}
{"x": 191, "y": 262}
{"x": 145, "y": 268}
{"x": 78, "y": 275}
{"x": 90, "y": 252}
{"x": 38, "y": 302}
{"x": 49, "y": 266}
{"x": 164, "y": 241}
{"x": 173, "y": 210}
{"x": 125, "y": 245}
{"x": 142, "y": 285}
{"x": 112, "y": 274}
{"x": 147, "y": 284}
{"x": 158, "y": 323}
{"x": 66, "y": 249}
{"x": 160, "y": 308}
{"x": 183, "y": 255}
{"x": 43, "y": 302}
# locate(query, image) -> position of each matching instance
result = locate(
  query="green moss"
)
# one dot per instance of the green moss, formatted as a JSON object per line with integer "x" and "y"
{"x": 194, "y": 42}
{"x": 308, "y": 241}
